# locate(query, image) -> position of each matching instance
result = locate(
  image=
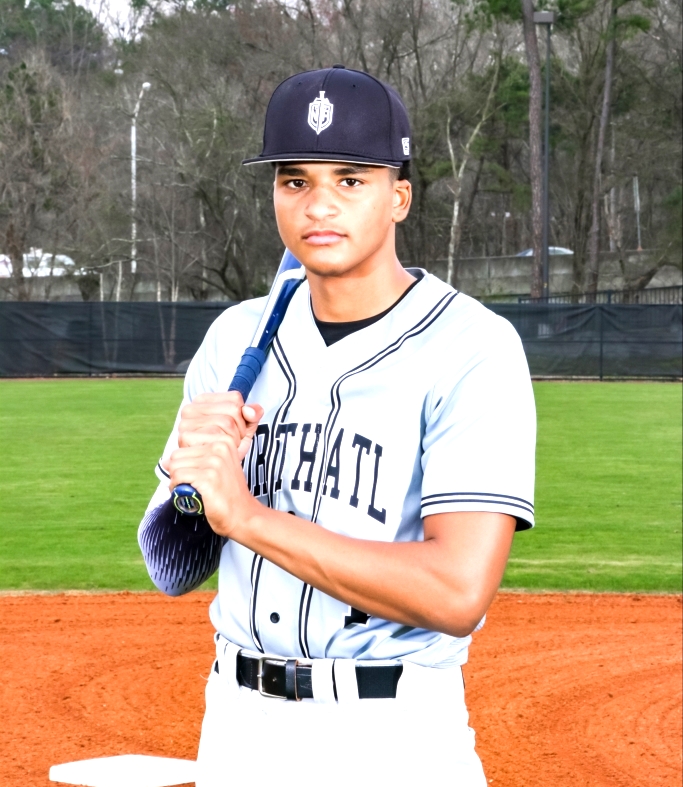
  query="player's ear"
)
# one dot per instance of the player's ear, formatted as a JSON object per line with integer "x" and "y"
{"x": 403, "y": 196}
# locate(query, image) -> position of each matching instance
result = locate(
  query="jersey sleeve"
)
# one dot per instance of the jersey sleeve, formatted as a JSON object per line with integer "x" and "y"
{"x": 480, "y": 432}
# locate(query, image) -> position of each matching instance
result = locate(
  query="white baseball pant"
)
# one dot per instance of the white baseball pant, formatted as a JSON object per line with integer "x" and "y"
{"x": 421, "y": 737}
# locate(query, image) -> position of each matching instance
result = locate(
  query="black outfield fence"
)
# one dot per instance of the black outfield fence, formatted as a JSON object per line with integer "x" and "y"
{"x": 564, "y": 340}
{"x": 94, "y": 338}
{"x": 42, "y": 339}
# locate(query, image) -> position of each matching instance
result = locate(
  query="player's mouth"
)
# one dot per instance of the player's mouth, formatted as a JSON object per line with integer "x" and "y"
{"x": 323, "y": 237}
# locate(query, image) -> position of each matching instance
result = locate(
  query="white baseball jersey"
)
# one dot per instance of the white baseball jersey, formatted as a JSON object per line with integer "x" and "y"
{"x": 429, "y": 410}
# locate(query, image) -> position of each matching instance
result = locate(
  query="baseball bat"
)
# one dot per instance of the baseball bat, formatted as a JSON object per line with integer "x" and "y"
{"x": 289, "y": 276}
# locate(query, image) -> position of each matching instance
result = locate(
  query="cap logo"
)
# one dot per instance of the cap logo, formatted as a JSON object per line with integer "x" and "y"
{"x": 406, "y": 146}
{"x": 320, "y": 113}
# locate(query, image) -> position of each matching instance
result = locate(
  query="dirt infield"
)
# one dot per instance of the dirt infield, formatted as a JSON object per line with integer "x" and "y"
{"x": 564, "y": 690}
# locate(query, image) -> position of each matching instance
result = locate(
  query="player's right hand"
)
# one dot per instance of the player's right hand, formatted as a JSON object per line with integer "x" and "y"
{"x": 219, "y": 417}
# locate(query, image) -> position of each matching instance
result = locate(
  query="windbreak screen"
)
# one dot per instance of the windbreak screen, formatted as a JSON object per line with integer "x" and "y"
{"x": 563, "y": 340}
{"x": 45, "y": 339}
{"x": 560, "y": 340}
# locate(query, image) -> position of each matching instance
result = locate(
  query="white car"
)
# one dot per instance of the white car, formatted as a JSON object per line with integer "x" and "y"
{"x": 552, "y": 250}
{"x": 39, "y": 263}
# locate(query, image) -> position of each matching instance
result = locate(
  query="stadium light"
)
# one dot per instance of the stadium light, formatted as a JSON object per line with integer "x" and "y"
{"x": 133, "y": 179}
{"x": 547, "y": 18}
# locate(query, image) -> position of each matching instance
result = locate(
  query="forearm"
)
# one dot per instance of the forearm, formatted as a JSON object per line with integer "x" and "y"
{"x": 443, "y": 583}
{"x": 413, "y": 583}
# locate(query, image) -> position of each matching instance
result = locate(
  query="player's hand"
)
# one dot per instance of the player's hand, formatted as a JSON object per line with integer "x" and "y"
{"x": 219, "y": 417}
{"x": 214, "y": 468}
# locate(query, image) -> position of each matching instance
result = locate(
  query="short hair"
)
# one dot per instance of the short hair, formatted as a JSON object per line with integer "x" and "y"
{"x": 403, "y": 173}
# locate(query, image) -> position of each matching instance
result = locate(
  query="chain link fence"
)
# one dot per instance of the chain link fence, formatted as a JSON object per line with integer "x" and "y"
{"x": 651, "y": 295}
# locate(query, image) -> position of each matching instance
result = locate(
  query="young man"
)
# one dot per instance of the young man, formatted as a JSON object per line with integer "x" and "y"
{"x": 361, "y": 506}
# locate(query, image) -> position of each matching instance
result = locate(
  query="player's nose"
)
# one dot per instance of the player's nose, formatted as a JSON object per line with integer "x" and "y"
{"x": 321, "y": 204}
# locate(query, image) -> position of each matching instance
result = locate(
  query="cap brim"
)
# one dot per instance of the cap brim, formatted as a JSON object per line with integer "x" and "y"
{"x": 341, "y": 158}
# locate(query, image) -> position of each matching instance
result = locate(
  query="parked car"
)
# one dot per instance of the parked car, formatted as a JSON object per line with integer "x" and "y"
{"x": 552, "y": 250}
{"x": 39, "y": 263}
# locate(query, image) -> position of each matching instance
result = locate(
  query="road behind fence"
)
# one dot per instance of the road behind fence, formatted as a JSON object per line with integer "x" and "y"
{"x": 96, "y": 338}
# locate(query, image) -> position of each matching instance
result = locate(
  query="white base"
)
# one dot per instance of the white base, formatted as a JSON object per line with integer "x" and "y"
{"x": 126, "y": 770}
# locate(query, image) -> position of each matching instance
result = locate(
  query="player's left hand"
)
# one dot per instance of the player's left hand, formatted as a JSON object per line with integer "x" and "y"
{"x": 215, "y": 470}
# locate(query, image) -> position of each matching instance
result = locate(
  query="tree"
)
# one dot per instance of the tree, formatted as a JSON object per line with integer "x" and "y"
{"x": 205, "y": 223}
{"x": 34, "y": 169}
{"x": 71, "y": 38}
{"x": 535, "y": 171}
{"x": 624, "y": 26}
{"x": 514, "y": 12}
{"x": 459, "y": 171}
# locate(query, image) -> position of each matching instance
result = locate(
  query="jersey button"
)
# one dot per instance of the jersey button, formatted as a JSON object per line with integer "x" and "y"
{"x": 274, "y": 617}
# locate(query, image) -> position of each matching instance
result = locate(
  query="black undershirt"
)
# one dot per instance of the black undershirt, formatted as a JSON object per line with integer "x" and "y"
{"x": 335, "y": 331}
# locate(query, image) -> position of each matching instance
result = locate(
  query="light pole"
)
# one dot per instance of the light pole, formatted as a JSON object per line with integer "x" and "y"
{"x": 548, "y": 19}
{"x": 133, "y": 179}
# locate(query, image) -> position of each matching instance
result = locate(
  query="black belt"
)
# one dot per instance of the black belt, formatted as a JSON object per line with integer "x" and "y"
{"x": 290, "y": 680}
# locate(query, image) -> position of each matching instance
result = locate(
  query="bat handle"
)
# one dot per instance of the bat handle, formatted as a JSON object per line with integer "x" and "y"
{"x": 186, "y": 498}
{"x": 248, "y": 370}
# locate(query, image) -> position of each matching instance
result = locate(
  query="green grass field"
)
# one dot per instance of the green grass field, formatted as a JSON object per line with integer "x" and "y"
{"x": 608, "y": 490}
{"x": 78, "y": 459}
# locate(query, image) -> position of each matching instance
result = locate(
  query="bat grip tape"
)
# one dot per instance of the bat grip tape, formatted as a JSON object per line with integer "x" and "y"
{"x": 248, "y": 370}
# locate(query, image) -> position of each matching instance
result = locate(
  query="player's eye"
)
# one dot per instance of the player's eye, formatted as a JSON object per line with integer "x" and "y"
{"x": 295, "y": 183}
{"x": 351, "y": 182}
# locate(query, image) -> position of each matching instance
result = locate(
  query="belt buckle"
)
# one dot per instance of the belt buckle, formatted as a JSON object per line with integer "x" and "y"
{"x": 259, "y": 676}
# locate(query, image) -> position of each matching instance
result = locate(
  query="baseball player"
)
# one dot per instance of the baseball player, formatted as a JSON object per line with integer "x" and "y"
{"x": 360, "y": 506}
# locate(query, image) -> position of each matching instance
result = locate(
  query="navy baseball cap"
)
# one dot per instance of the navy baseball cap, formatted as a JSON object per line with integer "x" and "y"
{"x": 336, "y": 114}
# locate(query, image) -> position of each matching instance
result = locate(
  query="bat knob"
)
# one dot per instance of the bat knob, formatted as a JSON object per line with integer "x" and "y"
{"x": 187, "y": 500}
